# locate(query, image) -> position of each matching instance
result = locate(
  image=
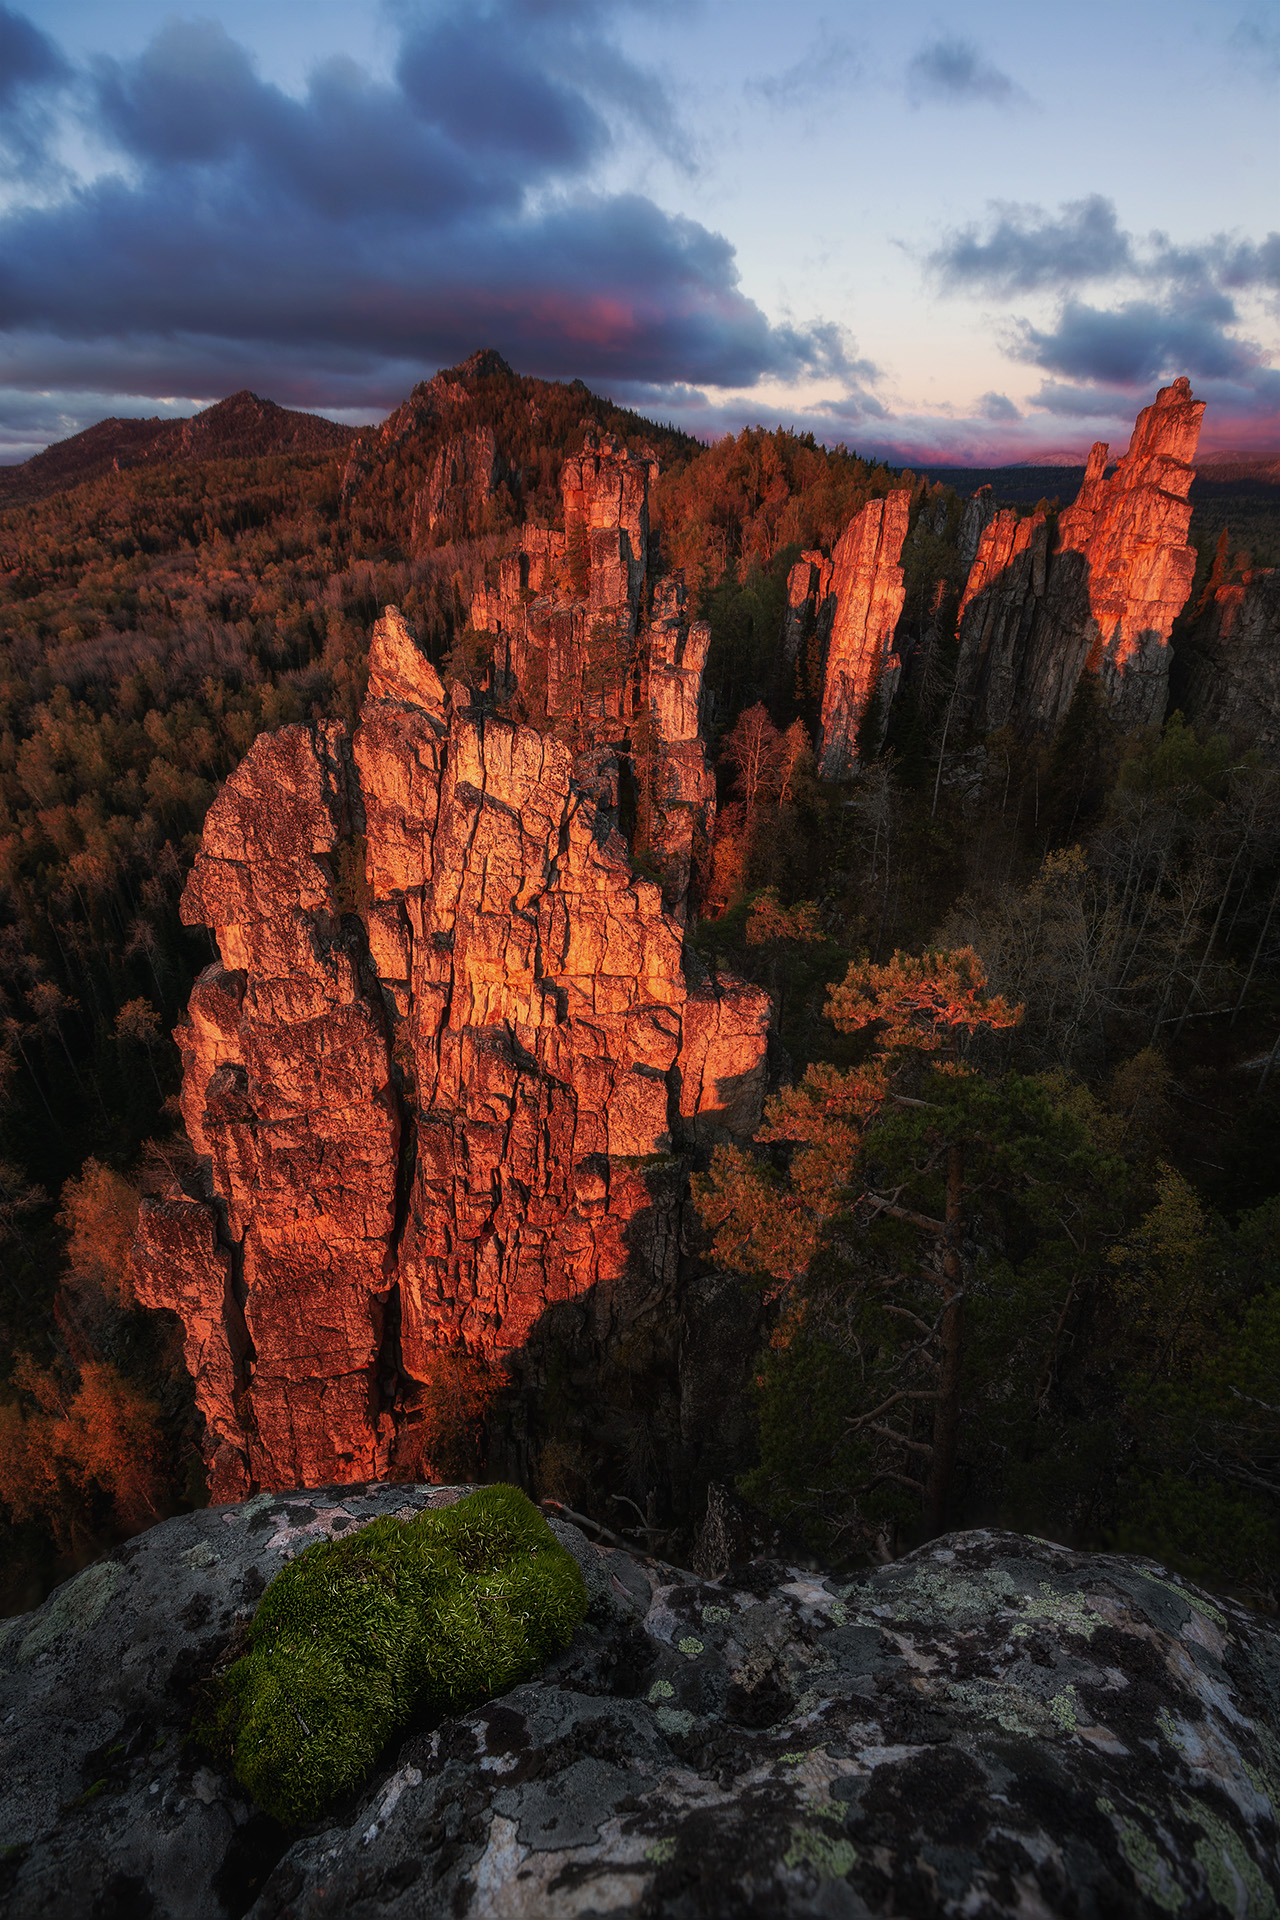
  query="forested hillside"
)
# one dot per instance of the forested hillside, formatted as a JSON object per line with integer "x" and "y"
{"x": 1123, "y": 1199}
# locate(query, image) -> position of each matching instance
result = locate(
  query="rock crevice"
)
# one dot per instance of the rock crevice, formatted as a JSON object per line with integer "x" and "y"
{"x": 438, "y": 1074}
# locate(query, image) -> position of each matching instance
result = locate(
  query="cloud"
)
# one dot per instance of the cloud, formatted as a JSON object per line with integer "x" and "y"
{"x": 1021, "y": 250}
{"x": 330, "y": 248}
{"x": 1141, "y": 341}
{"x": 953, "y": 72}
{"x": 1175, "y": 307}
{"x": 28, "y": 58}
{"x": 830, "y": 64}
{"x": 997, "y": 407}
{"x": 31, "y": 71}
{"x": 1255, "y": 38}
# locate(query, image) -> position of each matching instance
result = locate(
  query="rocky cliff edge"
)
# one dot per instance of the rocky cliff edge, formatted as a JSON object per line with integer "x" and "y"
{"x": 992, "y": 1726}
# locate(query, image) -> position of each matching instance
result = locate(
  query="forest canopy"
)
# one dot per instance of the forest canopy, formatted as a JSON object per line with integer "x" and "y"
{"x": 1115, "y": 1211}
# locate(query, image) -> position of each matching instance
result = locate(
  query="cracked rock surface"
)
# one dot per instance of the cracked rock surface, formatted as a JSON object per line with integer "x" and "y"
{"x": 1098, "y": 597}
{"x": 992, "y": 1726}
{"x": 441, "y": 1080}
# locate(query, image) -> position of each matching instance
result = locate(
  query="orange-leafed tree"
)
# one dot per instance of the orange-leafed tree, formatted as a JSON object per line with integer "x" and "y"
{"x": 875, "y": 1174}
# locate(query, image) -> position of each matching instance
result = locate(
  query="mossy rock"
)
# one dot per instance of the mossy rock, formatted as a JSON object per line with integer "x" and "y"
{"x": 432, "y": 1614}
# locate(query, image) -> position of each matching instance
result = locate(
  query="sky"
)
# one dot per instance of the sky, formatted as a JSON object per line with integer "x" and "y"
{"x": 968, "y": 236}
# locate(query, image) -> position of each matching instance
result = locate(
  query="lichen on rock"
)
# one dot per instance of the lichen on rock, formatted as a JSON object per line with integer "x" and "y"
{"x": 890, "y": 1744}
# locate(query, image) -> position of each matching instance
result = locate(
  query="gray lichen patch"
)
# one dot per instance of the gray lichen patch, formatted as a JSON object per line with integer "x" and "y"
{"x": 991, "y": 1727}
{"x": 72, "y": 1608}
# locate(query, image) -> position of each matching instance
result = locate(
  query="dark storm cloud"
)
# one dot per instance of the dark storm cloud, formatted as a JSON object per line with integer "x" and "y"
{"x": 31, "y": 71}
{"x": 953, "y": 72}
{"x": 328, "y": 248}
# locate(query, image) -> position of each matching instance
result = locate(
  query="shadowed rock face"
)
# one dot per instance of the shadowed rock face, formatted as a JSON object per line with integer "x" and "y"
{"x": 1231, "y": 670}
{"x": 991, "y": 1726}
{"x": 458, "y": 486}
{"x": 1106, "y": 599}
{"x": 1005, "y": 587}
{"x": 866, "y": 587}
{"x": 441, "y": 1077}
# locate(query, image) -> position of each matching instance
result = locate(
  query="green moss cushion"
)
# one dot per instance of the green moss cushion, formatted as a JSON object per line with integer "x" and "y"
{"x": 435, "y": 1613}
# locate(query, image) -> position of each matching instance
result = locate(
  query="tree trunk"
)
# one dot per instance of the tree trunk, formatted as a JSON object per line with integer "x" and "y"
{"x": 946, "y": 1421}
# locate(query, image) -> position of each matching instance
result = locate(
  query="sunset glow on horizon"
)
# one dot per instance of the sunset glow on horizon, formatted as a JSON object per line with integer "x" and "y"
{"x": 984, "y": 241}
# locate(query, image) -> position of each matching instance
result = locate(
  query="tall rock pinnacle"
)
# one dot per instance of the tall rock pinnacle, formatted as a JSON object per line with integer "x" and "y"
{"x": 1105, "y": 599}
{"x": 869, "y": 593}
{"x": 443, "y": 1074}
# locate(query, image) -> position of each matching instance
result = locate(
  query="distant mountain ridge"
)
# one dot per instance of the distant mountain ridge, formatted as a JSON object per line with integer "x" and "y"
{"x": 241, "y": 427}
{"x": 1241, "y": 464}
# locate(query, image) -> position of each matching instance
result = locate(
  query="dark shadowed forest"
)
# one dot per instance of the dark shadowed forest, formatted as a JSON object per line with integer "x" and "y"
{"x": 1061, "y": 952}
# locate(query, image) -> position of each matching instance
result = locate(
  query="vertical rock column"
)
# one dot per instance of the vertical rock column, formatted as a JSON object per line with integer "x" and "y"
{"x": 1005, "y": 586}
{"x": 1104, "y": 601}
{"x": 1231, "y": 673}
{"x": 442, "y": 1080}
{"x": 869, "y": 591}
{"x": 287, "y": 1092}
{"x": 683, "y": 787}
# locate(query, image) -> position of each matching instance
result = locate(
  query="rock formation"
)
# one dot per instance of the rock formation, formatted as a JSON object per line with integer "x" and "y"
{"x": 1005, "y": 586}
{"x": 845, "y": 610}
{"x": 1229, "y": 668}
{"x": 442, "y": 1075}
{"x": 458, "y": 486}
{"x": 566, "y": 617}
{"x": 808, "y": 585}
{"x": 992, "y": 1725}
{"x": 866, "y": 587}
{"x": 979, "y": 511}
{"x": 565, "y": 610}
{"x": 1104, "y": 600}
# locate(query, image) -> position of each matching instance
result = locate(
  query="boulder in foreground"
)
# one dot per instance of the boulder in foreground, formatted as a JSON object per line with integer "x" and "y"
{"x": 992, "y": 1726}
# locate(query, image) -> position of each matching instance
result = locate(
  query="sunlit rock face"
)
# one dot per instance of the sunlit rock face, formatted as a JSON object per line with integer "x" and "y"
{"x": 570, "y": 639}
{"x": 1103, "y": 601}
{"x": 867, "y": 592}
{"x": 441, "y": 1077}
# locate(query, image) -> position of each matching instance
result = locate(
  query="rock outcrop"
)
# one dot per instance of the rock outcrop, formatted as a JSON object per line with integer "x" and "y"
{"x": 566, "y": 619}
{"x": 867, "y": 591}
{"x": 1229, "y": 668}
{"x": 1004, "y": 589}
{"x": 808, "y": 585}
{"x": 842, "y": 612}
{"x": 993, "y": 1725}
{"x": 1106, "y": 597}
{"x": 442, "y": 1076}
{"x": 979, "y": 512}
{"x": 565, "y": 610}
{"x": 458, "y": 487}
